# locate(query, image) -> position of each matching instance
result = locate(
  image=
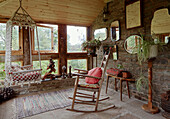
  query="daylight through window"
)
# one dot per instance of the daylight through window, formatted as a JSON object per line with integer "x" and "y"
{"x": 78, "y": 63}
{"x": 48, "y": 37}
{"x": 75, "y": 37}
{"x": 100, "y": 34}
{"x": 15, "y": 37}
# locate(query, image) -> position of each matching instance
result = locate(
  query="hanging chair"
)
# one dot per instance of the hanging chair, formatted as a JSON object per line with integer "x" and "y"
{"x": 25, "y": 74}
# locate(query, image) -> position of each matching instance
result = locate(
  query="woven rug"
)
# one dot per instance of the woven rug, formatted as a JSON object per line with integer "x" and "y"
{"x": 35, "y": 104}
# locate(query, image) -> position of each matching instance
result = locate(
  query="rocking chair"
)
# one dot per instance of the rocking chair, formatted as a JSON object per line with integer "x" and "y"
{"x": 89, "y": 87}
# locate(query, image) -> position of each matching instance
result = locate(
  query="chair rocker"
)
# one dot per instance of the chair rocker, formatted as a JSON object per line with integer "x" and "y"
{"x": 94, "y": 98}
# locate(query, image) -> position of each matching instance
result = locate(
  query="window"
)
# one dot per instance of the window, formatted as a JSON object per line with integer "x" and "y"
{"x": 75, "y": 37}
{"x": 2, "y": 73}
{"x": 48, "y": 38}
{"x": 100, "y": 34}
{"x": 78, "y": 63}
{"x": 15, "y": 37}
{"x": 44, "y": 64}
{"x": 2, "y": 67}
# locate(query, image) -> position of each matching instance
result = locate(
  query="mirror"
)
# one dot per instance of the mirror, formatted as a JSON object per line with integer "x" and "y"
{"x": 100, "y": 34}
{"x": 160, "y": 29}
{"x": 115, "y": 52}
{"x": 115, "y": 31}
{"x": 131, "y": 43}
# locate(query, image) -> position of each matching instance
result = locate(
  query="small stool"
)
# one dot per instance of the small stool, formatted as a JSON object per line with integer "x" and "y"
{"x": 121, "y": 80}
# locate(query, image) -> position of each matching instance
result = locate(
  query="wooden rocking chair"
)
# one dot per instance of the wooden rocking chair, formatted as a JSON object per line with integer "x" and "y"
{"x": 89, "y": 87}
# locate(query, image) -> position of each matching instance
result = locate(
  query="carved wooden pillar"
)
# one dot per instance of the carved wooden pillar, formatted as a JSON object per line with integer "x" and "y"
{"x": 149, "y": 107}
{"x": 62, "y": 36}
{"x": 26, "y": 47}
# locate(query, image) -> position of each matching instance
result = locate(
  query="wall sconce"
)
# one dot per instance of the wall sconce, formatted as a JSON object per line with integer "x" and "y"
{"x": 105, "y": 13}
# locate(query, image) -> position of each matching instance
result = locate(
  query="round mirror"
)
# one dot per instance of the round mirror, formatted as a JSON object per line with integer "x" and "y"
{"x": 131, "y": 44}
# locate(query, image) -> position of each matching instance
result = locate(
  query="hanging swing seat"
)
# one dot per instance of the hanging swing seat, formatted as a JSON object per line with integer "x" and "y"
{"x": 17, "y": 74}
{"x": 20, "y": 74}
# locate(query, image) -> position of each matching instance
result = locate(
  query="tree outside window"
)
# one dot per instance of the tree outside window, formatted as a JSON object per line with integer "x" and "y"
{"x": 75, "y": 37}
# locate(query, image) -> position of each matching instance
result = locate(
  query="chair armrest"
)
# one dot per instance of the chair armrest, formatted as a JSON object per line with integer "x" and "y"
{"x": 83, "y": 75}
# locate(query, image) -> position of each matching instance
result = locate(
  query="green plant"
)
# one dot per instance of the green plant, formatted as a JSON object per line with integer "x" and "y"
{"x": 120, "y": 66}
{"x": 141, "y": 82}
{"x": 93, "y": 43}
{"x": 143, "y": 48}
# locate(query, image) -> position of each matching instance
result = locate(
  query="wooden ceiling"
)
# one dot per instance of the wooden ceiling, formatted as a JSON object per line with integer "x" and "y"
{"x": 71, "y": 12}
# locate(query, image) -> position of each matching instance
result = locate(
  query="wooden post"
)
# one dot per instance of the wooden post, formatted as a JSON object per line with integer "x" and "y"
{"x": 149, "y": 107}
{"x": 62, "y": 36}
{"x": 26, "y": 47}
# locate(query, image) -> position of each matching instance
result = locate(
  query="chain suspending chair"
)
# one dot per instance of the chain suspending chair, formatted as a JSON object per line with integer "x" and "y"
{"x": 22, "y": 19}
{"x": 79, "y": 88}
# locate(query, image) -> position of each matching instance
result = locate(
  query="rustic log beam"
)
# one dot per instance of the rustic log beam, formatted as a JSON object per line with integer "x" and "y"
{"x": 62, "y": 41}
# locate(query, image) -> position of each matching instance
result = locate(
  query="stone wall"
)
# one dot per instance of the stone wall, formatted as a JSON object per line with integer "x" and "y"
{"x": 44, "y": 86}
{"x": 161, "y": 66}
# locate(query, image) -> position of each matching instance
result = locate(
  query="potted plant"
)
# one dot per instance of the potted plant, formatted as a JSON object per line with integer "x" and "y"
{"x": 91, "y": 46}
{"x": 146, "y": 49}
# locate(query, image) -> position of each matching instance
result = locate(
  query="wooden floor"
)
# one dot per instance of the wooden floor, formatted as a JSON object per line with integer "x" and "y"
{"x": 127, "y": 109}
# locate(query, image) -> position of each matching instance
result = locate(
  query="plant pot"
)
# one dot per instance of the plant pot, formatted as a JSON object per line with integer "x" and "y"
{"x": 91, "y": 50}
{"x": 153, "y": 51}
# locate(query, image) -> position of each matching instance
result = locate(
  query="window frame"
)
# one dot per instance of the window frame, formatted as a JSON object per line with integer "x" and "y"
{"x": 52, "y": 41}
{"x": 15, "y": 52}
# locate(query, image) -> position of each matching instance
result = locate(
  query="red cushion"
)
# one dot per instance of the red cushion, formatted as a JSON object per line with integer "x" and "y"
{"x": 97, "y": 72}
{"x": 113, "y": 71}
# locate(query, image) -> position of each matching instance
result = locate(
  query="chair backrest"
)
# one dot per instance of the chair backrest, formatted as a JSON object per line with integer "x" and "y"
{"x": 104, "y": 65}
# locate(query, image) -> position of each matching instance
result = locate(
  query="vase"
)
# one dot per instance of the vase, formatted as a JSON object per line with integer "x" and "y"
{"x": 153, "y": 51}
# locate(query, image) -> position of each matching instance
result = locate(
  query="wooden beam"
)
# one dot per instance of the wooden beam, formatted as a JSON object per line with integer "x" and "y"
{"x": 62, "y": 41}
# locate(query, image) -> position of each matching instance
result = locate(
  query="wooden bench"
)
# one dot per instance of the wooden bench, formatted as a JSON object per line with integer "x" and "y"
{"x": 121, "y": 80}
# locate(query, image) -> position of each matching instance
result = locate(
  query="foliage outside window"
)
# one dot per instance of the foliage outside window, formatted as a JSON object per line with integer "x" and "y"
{"x": 15, "y": 37}
{"x": 2, "y": 67}
{"x": 100, "y": 34}
{"x": 48, "y": 38}
{"x": 75, "y": 37}
{"x": 44, "y": 64}
{"x": 77, "y": 63}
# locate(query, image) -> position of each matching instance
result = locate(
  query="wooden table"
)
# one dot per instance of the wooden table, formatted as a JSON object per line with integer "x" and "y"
{"x": 121, "y": 80}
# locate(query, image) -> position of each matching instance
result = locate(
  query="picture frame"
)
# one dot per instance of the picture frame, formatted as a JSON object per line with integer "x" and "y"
{"x": 133, "y": 14}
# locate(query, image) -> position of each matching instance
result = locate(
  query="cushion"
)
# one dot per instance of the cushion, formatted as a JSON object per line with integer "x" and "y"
{"x": 113, "y": 71}
{"x": 97, "y": 72}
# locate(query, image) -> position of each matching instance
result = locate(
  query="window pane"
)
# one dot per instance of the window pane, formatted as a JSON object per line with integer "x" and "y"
{"x": 55, "y": 37}
{"x": 15, "y": 37}
{"x": 2, "y": 67}
{"x": 100, "y": 34}
{"x": 79, "y": 63}
{"x": 44, "y": 64}
{"x": 2, "y": 36}
{"x": 75, "y": 37}
{"x": 44, "y": 37}
{"x": 2, "y": 73}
